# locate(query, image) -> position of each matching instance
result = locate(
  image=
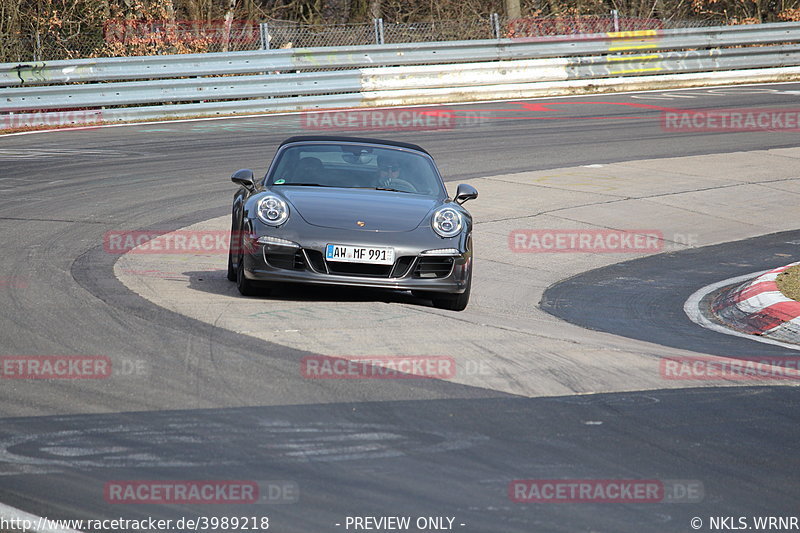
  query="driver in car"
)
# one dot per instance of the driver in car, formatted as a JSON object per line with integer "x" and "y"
{"x": 390, "y": 175}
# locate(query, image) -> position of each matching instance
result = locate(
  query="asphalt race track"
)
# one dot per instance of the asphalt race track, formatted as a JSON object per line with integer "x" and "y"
{"x": 637, "y": 293}
{"x": 573, "y": 392}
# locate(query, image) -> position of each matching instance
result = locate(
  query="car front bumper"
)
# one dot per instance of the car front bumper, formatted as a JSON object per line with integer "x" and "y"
{"x": 412, "y": 269}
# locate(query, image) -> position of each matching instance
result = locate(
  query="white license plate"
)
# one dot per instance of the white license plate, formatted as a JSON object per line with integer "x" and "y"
{"x": 359, "y": 254}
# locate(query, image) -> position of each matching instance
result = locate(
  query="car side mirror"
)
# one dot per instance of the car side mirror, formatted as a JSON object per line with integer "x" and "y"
{"x": 465, "y": 192}
{"x": 244, "y": 177}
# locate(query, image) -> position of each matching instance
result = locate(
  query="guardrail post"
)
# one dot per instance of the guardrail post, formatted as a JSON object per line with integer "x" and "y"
{"x": 264, "y": 35}
{"x": 615, "y": 15}
{"x": 37, "y": 53}
{"x": 494, "y": 20}
{"x": 378, "y": 30}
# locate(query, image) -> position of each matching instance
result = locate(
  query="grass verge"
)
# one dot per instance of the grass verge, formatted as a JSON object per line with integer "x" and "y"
{"x": 789, "y": 282}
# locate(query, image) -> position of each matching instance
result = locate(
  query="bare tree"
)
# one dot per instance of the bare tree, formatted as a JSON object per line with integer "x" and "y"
{"x": 335, "y": 11}
{"x": 513, "y": 10}
{"x": 228, "y": 21}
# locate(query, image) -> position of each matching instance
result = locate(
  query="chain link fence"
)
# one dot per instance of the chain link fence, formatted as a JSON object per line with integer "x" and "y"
{"x": 446, "y": 30}
{"x": 134, "y": 37}
{"x": 65, "y": 42}
{"x": 541, "y": 26}
{"x": 183, "y": 36}
{"x": 285, "y": 34}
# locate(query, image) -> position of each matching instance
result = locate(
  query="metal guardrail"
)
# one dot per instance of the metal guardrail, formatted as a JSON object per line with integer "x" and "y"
{"x": 179, "y": 90}
{"x": 148, "y": 67}
{"x": 244, "y": 82}
{"x": 19, "y": 99}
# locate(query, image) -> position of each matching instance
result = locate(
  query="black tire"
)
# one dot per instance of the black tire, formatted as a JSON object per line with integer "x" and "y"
{"x": 454, "y": 302}
{"x": 231, "y": 244}
{"x": 231, "y": 271}
{"x": 245, "y": 286}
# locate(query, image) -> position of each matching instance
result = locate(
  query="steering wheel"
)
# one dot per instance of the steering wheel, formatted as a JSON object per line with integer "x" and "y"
{"x": 400, "y": 184}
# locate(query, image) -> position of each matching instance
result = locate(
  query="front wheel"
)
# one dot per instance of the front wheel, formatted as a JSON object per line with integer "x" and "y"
{"x": 231, "y": 271}
{"x": 454, "y": 302}
{"x": 238, "y": 245}
{"x": 245, "y": 286}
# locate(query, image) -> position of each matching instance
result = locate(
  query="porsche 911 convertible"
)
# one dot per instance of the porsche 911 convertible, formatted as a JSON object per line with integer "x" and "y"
{"x": 355, "y": 212}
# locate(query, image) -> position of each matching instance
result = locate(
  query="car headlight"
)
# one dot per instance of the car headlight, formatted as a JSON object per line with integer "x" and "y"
{"x": 272, "y": 210}
{"x": 447, "y": 222}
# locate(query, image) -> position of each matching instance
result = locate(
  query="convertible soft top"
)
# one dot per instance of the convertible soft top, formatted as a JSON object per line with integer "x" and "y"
{"x": 337, "y": 138}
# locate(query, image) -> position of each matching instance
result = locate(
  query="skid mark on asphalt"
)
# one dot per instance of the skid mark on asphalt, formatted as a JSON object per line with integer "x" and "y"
{"x": 39, "y": 153}
{"x": 173, "y": 440}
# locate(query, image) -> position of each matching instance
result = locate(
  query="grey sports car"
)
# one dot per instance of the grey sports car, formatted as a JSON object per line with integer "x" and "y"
{"x": 350, "y": 211}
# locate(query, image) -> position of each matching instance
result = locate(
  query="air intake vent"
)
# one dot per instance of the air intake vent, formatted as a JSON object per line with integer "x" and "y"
{"x": 433, "y": 267}
{"x": 288, "y": 261}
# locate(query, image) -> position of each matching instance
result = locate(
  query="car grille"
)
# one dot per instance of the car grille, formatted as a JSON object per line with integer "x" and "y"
{"x": 290, "y": 261}
{"x": 307, "y": 259}
{"x": 433, "y": 267}
{"x": 315, "y": 260}
{"x": 397, "y": 270}
{"x": 359, "y": 269}
{"x": 401, "y": 266}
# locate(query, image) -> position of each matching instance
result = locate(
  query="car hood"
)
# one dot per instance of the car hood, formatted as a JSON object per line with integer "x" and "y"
{"x": 343, "y": 208}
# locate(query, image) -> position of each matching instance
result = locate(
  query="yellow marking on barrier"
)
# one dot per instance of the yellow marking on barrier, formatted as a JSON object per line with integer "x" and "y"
{"x": 650, "y": 44}
{"x": 634, "y": 33}
{"x": 632, "y": 40}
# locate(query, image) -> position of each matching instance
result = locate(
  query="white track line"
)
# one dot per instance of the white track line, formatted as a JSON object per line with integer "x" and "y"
{"x": 692, "y": 310}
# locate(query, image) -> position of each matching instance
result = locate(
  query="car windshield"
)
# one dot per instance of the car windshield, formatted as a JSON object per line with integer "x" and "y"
{"x": 356, "y": 166}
